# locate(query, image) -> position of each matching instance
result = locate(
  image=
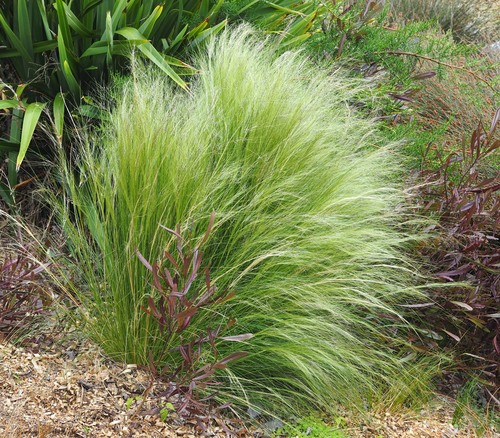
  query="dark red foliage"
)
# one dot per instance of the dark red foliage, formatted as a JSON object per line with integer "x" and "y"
{"x": 466, "y": 196}
{"x": 23, "y": 294}
{"x": 183, "y": 297}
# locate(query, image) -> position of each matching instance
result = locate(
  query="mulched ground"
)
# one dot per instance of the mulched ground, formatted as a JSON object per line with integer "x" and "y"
{"x": 62, "y": 387}
{"x": 69, "y": 389}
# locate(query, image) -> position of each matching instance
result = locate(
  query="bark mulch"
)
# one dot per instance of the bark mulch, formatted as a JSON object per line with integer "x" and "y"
{"x": 63, "y": 387}
{"x": 69, "y": 389}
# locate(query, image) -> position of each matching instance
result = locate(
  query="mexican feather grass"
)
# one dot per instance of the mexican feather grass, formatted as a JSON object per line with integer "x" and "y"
{"x": 306, "y": 224}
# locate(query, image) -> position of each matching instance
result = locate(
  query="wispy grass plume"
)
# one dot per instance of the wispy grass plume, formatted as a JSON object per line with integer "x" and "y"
{"x": 306, "y": 219}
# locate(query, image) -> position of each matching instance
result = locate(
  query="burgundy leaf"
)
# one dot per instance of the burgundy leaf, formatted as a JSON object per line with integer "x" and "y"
{"x": 143, "y": 260}
{"x": 153, "y": 310}
{"x": 341, "y": 45}
{"x": 400, "y": 97}
{"x": 175, "y": 233}
{"x": 152, "y": 366}
{"x": 230, "y": 358}
{"x": 209, "y": 228}
{"x": 459, "y": 271}
{"x": 425, "y": 75}
{"x": 170, "y": 280}
{"x": 186, "y": 313}
{"x": 156, "y": 278}
{"x": 171, "y": 260}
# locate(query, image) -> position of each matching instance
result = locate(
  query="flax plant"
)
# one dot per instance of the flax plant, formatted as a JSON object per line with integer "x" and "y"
{"x": 306, "y": 225}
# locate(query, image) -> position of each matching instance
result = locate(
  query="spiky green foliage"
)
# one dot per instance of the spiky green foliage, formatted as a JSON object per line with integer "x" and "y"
{"x": 305, "y": 230}
{"x": 59, "y": 51}
{"x": 294, "y": 18}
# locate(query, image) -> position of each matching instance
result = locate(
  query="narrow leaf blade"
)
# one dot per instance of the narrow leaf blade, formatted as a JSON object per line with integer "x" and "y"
{"x": 30, "y": 121}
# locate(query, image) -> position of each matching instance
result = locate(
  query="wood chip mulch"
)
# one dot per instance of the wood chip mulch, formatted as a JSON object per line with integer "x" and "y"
{"x": 68, "y": 388}
{"x": 433, "y": 422}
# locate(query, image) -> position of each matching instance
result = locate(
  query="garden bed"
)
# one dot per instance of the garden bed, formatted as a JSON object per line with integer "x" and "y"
{"x": 62, "y": 387}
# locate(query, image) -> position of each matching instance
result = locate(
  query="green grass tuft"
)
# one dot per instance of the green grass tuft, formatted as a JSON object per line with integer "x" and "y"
{"x": 306, "y": 230}
{"x": 313, "y": 427}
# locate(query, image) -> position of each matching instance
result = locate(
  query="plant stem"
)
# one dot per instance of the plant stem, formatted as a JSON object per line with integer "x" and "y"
{"x": 445, "y": 64}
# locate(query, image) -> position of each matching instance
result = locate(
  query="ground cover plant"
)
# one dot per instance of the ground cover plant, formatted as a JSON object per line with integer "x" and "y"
{"x": 313, "y": 427}
{"x": 306, "y": 227}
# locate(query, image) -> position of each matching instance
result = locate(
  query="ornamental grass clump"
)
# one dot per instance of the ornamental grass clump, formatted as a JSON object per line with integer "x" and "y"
{"x": 305, "y": 231}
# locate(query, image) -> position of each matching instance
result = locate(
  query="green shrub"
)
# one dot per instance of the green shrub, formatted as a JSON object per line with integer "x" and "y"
{"x": 306, "y": 234}
{"x": 441, "y": 111}
{"x": 394, "y": 60}
{"x": 58, "y": 45}
{"x": 378, "y": 45}
{"x": 344, "y": 22}
{"x": 418, "y": 75}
